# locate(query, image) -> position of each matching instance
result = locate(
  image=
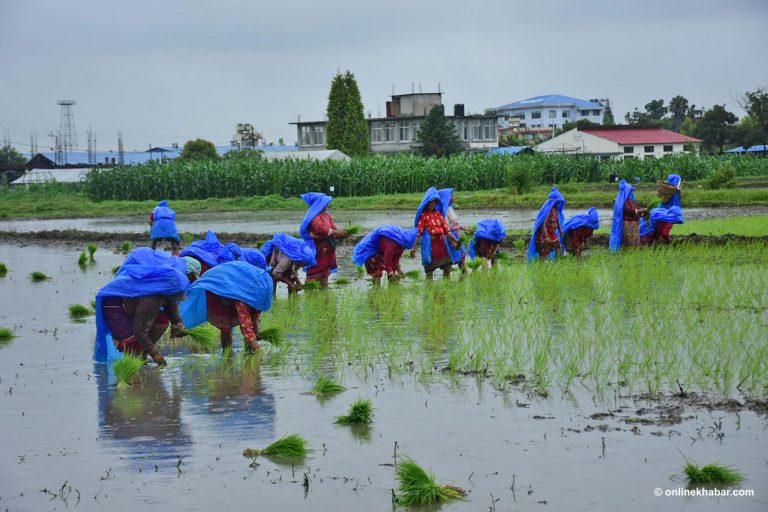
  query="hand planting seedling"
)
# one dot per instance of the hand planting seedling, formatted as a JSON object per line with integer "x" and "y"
{"x": 205, "y": 335}
{"x": 354, "y": 229}
{"x": 312, "y": 286}
{"x": 38, "y": 276}
{"x": 417, "y": 487}
{"x": 292, "y": 446}
{"x": 126, "y": 367}
{"x": 326, "y": 386}
{"x": 360, "y": 413}
{"x": 413, "y": 274}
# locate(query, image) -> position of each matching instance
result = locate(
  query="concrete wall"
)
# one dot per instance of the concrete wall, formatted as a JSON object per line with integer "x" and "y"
{"x": 579, "y": 143}
{"x": 638, "y": 151}
{"x": 544, "y": 122}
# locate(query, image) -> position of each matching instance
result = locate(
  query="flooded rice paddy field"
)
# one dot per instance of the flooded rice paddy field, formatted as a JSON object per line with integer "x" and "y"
{"x": 554, "y": 387}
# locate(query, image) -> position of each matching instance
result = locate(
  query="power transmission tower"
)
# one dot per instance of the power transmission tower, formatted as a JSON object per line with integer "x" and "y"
{"x": 32, "y": 143}
{"x": 67, "y": 132}
{"x": 91, "y": 156}
{"x": 120, "y": 149}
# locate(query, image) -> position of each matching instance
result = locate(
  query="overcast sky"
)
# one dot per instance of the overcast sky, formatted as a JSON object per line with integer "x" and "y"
{"x": 167, "y": 71}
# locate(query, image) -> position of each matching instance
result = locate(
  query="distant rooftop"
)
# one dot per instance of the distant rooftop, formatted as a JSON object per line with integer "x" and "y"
{"x": 551, "y": 100}
{"x": 626, "y": 135}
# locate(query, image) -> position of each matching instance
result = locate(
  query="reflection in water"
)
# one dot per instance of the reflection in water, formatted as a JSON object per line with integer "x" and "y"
{"x": 144, "y": 419}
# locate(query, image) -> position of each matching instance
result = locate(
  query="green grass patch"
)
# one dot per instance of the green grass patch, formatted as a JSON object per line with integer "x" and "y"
{"x": 359, "y": 413}
{"x": 38, "y": 276}
{"x": 326, "y": 386}
{"x": 342, "y": 281}
{"x": 126, "y": 247}
{"x": 712, "y": 474}
{"x": 416, "y": 487}
{"x": 292, "y": 446}
{"x": 126, "y": 367}
{"x": 79, "y": 311}
{"x": 413, "y": 274}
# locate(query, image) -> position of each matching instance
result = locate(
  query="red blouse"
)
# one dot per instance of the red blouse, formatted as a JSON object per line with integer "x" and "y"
{"x": 434, "y": 223}
{"x": 321, "y": 226}
{"x": 630, "y": 211}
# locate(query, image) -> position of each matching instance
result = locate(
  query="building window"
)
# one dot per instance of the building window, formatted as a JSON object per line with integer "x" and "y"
{"x": 305, "y": 136}
{"x": 520, "y": 115}
{"x": 405, "y": 132}
{"x": 489, "y": 129}
{"x": 628, "y": 157}
{"x": 464, "y": 130}
{"x": 668, "y": 149}
{"x": 317, "y": 135}
{"x": 649, "y": 149}
{"x": 376, "y": 133}
{"x": 583, "y": 113}
{"x": 566, "y": 113}
{"x": 629, "y": 149}
{"x": 415, "y": 131}
{"x": 477, "y": 130}
{"x": 552, "y": 114}
{"x": 389, "y": 132}
{"x": 595, "y": 112}
{"x": 536, "y": 115}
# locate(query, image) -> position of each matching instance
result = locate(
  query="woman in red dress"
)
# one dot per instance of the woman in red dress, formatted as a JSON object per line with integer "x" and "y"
{"x": 435, "y": 235}
{"x": 319, "y": 229}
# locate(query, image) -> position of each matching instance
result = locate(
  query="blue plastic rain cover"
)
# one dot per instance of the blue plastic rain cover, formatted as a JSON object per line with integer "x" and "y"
{"x": 296, "y": 249}
{"x": 555, "y": 200}
{"x": 317, "y": 201}
{"x": 369, "y": 245}
{"x": 617, "y": 225}
{"x": 163, "y": 224}
{"x": 490, "y": 229}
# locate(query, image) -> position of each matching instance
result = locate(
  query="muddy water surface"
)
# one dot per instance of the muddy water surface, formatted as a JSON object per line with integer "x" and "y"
{"x": 71, "y": 440}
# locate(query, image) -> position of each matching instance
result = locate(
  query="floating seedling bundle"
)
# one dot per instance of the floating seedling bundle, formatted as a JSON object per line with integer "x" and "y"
{"x": 79, "y": 311}
{"x": 6, "y": 334}
{"x": 326, "y": 386}
{"x": 38, "y": 276}
{"x": 292, "y": 446}
{"x": 3, "y": 269}
{"x": 417, "y": 487}
{"x": 711, "y": 474}
{"x": 360, "y": 413}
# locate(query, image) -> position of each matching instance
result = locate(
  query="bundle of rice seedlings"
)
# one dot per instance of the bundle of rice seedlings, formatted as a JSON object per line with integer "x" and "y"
{"x": 360, "y": 413}
{"x": 413, "y": 274}
{"x": 273, "y": 336}
{"x": 126, "y": 247}
{"x": 311, "y": 286}
{"x": 126, "y": 367}
{"x": 417, "y": 487}
{"x": 503, "y": 257}
{"x": 187, "y": 238}
{"x": 82, "y": 260}
{"x": 342, "y": 281}
{"x": 326, "y": 386}
{"x": 289, "y": 447}
{"x": 115, "y": 269}
{"x": 474, "y": 264}
{"x": 3, "y": 270}
{"x": 79, "y": 311}
{"x": 712, "y": 474}
{"x": 38, "y": 276}
{"x": 6, "y": 334}
{"x": 206, "y": 335}
{"x": 464, "y": 239}
{"x": 354, "y": 229}
{"x": 91, "y": 250}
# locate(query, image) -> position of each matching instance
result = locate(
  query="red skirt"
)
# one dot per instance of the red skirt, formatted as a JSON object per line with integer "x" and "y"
{"x": 486, "y": 248}
{"x": 326, "y": 260}
{"x": 221, "y": 312}
{"x": 440, "y": 256}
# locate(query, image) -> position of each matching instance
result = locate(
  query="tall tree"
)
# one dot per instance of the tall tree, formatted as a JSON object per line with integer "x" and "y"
{"x": 199, "y": 149}
{"x": 608, "y": 116}
{"x": 356, "y": 140}
{"x": 9, "y": 156}
{"x": 715, "y": 127}
{"x": 336, "y": 112}
{"x": 756, "y": 105}
{"x": 678, "y": 107}
{"x": 437, "y": 135}
{"x": 656, "y": 109}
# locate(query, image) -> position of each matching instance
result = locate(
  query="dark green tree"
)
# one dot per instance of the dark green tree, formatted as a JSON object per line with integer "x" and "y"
{"x": 678, "y": 108}
{"x": 656, "y": 109}
{"x": 356, "y": 139}
{"x": 199, "y": 149}
{"x": 608, "y": 116}
{"x": 336, "y": 112}
{"x": 437, "y": 135}
{"x": 715, "y": 127}
{"x": 756, "y": 105}
{"x": 9, "y": 156}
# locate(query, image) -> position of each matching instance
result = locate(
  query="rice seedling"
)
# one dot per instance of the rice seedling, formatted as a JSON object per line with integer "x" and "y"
{"x": 417, "y": 487}
{"x": 519, "y": 245}
{"x": 292, "y": 446}
{"x": 115, "y": 269}
{"x": 326, "y": 386}
{"x": 126, "y": 367}
{"x": 92, "y": 302}
{"x": 711, "y": 474}
{"x": 342, "y": 281}
{"x": 187, "y": 238}
{"x": 91, "y": 250}
{"x": 312, "y": 286}
{"x": 38, "y": 276}
{"x": 354, "y": 229}
{"x": 205, "y": 335}
{"x": 413, "y": 274}
{"x": 272, "y": 335}
{"x": 359, "y": 413}
{"x": 6, "y": 334}
{"x": 126, "y": 247}
{"x": 474, "y": 264}
{"x": 79, "y": 311}
{"x": 3, "y": 269}
{"x": 360, "y": 271}
{"x": 82, "y": 260}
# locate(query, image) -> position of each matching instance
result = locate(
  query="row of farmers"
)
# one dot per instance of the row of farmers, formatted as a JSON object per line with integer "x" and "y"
{"x": 230, "y": 286}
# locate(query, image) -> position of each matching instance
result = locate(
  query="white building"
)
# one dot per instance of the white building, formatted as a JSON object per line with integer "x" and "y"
{"x": 619, "y": 142}
{"x": 550, "y": 111}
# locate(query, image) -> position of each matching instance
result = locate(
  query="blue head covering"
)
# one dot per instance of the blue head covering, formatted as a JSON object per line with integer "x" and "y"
{"x": 294, "y": 248}
{"x": 163, "y": 225}
{"x": 237, "y": 280}
{"x": 149, "y": 257}
{"x": 317, "y": 201}
{"x": 134, "y": 281}
{"x": 555, "y": 200}
{"x": 589, "y": 219}
{"x": 254, "y": 257}
{"x": 489, "y": 229}
{"x": 445, "y": 195}
{"x": 675, "y": 200}
{"x": 673, "y": 215}
{"x": 429, "y": 196}
{"x": 208, "y": 250}
{"x": 369, "y": 245}
{"x": 617, "y": 226}
{"x": 234, "y": 250}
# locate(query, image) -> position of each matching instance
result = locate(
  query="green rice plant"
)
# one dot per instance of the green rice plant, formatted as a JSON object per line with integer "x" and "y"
{"x": 273, "y": 336}
{"x": 126, "y": 247}
{"x": 326, "y": 386}
{"x": 360, "y": 271}
{"x": 82, "y": 260}
{"x": 6, "y": 334}
{"x": 187, "y": 238}
{"x": 417, "y": 487}
{"x": 126, "y": 367}
{"x": 474, "y": 264}
{"x": 711, "y": 474}
{"x": 79, "y": 311}
{"x": 413, "y": 274}
{"x": 519, "y": 245}
{"x": 464, "y": 239}
{"x": 503, "y": 257}
{"x": 38, "y": 276}
{"x": 3, "y": 269}
{"x": 360, "y": 413}
{"x": 312, "y": 286}
{"x": 115, "y": 269}
{"x": 354, "y": 229}
{"x": 292, "y": 446}
{"x": 92, "y": 302}
{"x": 91, "y": 250}
{"x": 205, "y": 335}
{"x": 342, "y": 281}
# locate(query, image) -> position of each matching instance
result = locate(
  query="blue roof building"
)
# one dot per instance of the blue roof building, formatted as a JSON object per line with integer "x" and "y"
{"x": 551, "y": 111}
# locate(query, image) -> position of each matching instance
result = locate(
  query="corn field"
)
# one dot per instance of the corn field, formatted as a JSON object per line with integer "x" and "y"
{"x": 237, "y": 177}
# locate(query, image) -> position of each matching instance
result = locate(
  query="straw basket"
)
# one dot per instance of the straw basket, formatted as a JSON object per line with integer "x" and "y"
{"x": 665, "y": 191}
